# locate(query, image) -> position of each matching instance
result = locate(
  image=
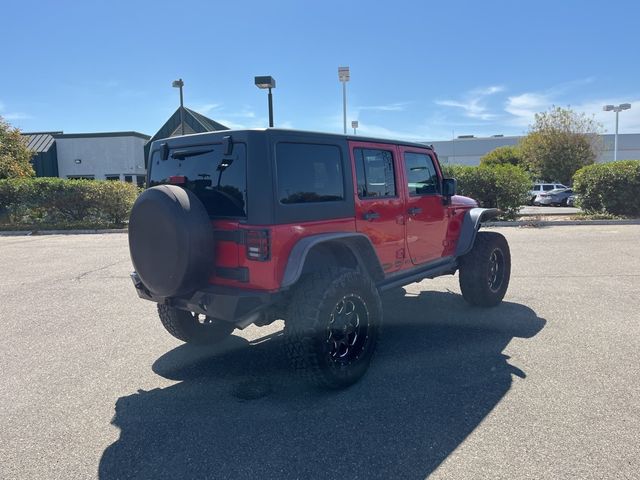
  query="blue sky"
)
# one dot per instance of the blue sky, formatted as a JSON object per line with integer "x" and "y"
{"x": 419, "y": 70}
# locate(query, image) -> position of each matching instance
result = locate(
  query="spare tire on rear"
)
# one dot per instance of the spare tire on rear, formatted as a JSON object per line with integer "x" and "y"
{"x": 171, "y": 241}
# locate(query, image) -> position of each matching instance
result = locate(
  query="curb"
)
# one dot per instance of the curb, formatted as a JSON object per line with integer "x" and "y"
{"x": 515, "y": 223}
{"x": 559, "y": 223}
{"x": 17, "y": 233}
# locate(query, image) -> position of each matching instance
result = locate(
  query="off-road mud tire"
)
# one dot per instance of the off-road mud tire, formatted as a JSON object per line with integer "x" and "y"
{"x": 185, "y": 326}
{"x": 477, "y": 282}
{"x": 314, "y": 303}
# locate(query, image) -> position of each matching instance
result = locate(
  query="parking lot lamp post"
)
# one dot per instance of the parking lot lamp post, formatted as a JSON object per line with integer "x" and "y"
{"x": 267, "y": 82}
{"x": 617, "y": 109}
{"x": 344, "y": 76}
{"x": 179, "y": 84}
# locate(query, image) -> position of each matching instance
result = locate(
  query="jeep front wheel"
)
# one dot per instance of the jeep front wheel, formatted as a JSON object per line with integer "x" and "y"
{"x": 332, "y": 327}
{"x": 193, "y": 328}
{"x": 485, "y": 270}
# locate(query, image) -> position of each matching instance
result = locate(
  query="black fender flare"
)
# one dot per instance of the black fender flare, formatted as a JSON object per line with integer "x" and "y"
{"x": 358, "y": 243}
{"x": 470, "y": 225}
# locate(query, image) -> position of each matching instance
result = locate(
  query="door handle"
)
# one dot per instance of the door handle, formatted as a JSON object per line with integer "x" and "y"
{"x": 414, "y": 211}
{"x": 370, "y": 216}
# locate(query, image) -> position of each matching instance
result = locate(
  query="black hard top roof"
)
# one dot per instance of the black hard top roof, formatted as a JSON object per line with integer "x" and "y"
{"x": 310, "y": 134}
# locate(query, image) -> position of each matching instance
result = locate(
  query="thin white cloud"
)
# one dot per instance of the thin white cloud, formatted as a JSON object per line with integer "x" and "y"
{"x": 232, "y": 122}
{"x": 16, "y": 116}
{"x": 207, "y": 107}
{"x": 487, "y": 90}
{"x": 11, "y": 116}
{"x": 391, "y": 107}
{"x": 523, "y": 107}
{"x": 380, "y": 131}
{"x": 473, "y": 102}
{"x": 334, "y": 124}
{"x": 217, "y": 109}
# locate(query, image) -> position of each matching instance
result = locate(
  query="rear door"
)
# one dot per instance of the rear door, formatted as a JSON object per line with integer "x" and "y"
{"x": 219, "y": 180}
{"x": 379, "y": 200}
{"x": 426, "y": 214}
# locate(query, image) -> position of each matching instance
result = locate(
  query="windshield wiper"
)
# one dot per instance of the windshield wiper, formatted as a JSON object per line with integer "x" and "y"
{"x": 182, "y": 154}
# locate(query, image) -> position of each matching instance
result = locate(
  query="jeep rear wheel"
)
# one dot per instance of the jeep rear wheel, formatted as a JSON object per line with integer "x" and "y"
{"x": 332, "y": 327}
{"x": 193, "y": 328}
{"x": 485, "y": 270}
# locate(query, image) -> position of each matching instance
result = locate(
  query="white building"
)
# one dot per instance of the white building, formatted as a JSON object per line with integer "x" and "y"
{"x": 467, "y": 150}
{"x": 102, "y": 156}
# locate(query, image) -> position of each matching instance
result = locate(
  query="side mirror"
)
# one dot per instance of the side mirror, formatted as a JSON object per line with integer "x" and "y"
{"x": 449, "y": 187}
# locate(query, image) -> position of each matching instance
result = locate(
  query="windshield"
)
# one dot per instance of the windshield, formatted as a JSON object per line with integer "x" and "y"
{"x": 219, "y": 181}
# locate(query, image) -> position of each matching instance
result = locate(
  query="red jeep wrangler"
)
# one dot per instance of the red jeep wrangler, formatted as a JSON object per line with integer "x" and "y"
{"x": 250, "y": 226}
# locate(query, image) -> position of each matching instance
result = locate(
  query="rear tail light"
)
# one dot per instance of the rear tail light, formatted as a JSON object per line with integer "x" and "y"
{"x": 258, "y": 244}
{"x": 178, "y": 180}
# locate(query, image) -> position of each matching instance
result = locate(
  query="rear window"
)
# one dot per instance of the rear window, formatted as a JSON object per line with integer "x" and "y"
{"x": 374, "y": 171}
{"x": 219, "y": 181}
{"x": 309, "y": 173}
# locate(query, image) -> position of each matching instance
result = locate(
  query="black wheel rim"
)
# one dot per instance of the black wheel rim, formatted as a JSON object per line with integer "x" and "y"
{"x": 348, "y": 330}
{"x": 496, "y": 270}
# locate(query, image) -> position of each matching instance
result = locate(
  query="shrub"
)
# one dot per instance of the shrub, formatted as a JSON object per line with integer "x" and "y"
{"x": 507, "y": 154}
{"x": 500, "y": 186}
{"x": 52, "y": 201}
{"x": 612, "y": 188}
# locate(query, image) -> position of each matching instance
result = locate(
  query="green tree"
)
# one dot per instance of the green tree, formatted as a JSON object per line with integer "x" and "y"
{"x": 559, "y": 143}
{"x": 503, "y": 156}
{"x": 15, "y": 157}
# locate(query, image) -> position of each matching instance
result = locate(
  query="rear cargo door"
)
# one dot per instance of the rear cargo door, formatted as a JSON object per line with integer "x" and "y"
{"x": 217, "y": 174}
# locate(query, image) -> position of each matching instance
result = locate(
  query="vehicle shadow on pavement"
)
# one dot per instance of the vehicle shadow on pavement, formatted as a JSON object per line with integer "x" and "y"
{"x": 239, "y": 413}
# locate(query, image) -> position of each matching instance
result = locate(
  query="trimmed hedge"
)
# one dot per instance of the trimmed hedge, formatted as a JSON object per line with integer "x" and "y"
{"x": 56, "y": 201}
{"x": 494, "y": 186}
{"x": 609, "y": 187}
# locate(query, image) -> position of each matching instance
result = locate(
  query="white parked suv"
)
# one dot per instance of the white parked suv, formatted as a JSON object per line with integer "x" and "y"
{"x": 542, "y": 187}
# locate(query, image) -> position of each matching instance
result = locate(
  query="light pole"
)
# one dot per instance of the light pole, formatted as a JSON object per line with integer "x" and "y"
{"x": 343, "y": 76}
{"x": 617, "y": 109}
{"x": 267, "y": 82}
{"x": 179, "y": 84}
{"x": 354, "y": 125}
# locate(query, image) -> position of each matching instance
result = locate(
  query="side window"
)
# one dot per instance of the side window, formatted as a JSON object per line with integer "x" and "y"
{"x": 374, "y": 173}
{"x": 422, "y": 178}
{"x": 546, "y": 187}
{"x": 309, "y": 173}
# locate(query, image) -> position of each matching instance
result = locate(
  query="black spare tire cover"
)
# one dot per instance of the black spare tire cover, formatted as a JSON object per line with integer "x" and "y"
{"x": 171, "y": 241}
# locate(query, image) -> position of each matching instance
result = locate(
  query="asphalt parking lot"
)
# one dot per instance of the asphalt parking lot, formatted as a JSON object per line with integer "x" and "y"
{"x": 544, "y": 386}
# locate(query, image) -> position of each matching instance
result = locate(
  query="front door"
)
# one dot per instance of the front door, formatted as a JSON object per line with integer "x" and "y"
{"x": 426, "y": 213}
{"x": 379, "y": 203}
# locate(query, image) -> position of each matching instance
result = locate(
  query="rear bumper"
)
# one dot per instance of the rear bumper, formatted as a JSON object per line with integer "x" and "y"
{"x": 240, "y": 308}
